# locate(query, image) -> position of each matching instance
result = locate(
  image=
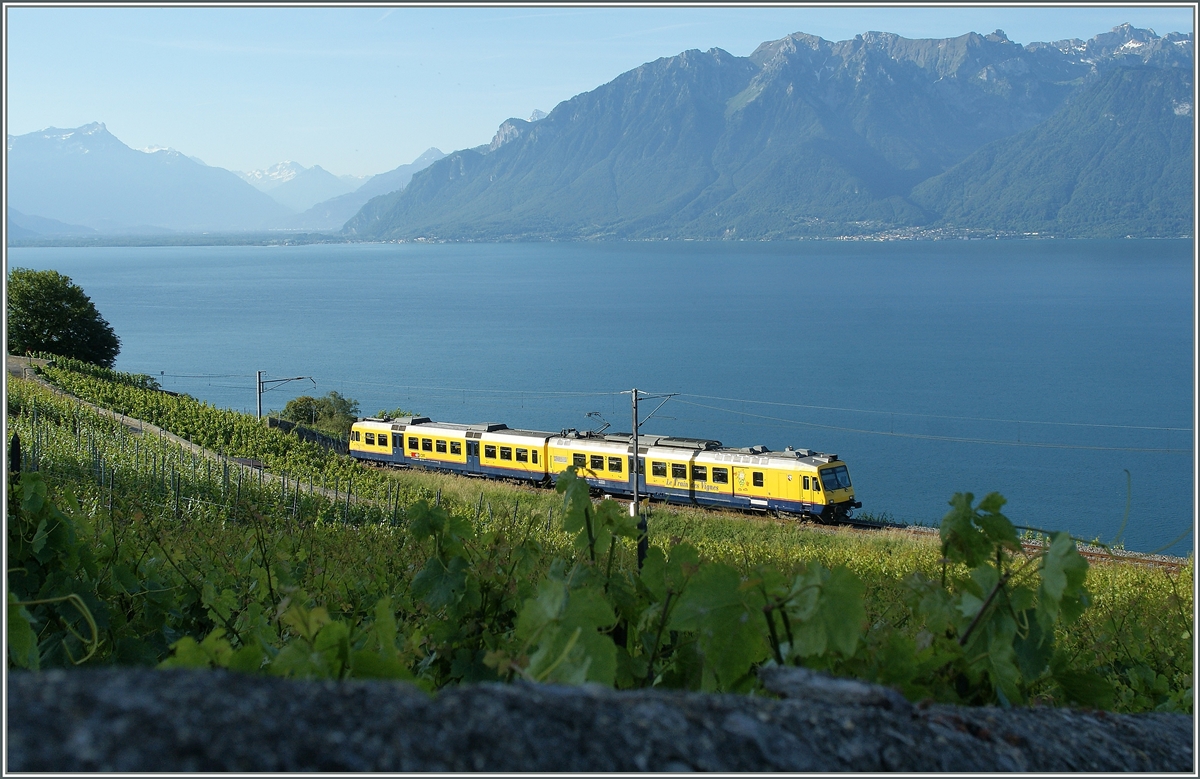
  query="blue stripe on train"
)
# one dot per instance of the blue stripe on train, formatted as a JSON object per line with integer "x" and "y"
{"x": 670, "y": 495}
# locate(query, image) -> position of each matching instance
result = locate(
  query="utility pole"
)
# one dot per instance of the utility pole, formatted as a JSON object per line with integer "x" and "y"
{"x": 635, "y": 509}
{"x": 261, "y": 386}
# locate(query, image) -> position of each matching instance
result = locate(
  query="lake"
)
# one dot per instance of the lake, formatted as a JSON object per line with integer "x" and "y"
{"x": 1043, "y": 370}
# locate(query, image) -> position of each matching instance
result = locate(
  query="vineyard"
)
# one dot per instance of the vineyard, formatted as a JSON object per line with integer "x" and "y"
{"x": 267, "y": 554}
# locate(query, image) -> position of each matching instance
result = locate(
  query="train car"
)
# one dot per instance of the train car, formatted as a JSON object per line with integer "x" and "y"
{"x": 697, "y": 471}
{"x": 603, "y": 461}
{"x": 482, "y": 450}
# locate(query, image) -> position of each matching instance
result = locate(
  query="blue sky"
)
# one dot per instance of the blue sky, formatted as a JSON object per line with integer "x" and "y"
{"x": 362, "y": 90}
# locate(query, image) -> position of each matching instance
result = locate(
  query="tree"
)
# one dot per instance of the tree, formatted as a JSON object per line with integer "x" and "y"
{"x": 49, "y": 313}
{"x": 332, "y": 414}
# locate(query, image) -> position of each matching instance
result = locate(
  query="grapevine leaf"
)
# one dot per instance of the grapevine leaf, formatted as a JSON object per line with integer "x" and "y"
{"x": 22, "y": 641}
{"x": 729, "y": 632}
{"x": 424, "y": 523}
{"x": 39, "y": 538}
{"x": 384, "y": 627}
{"x": 931, "y": 602}
{"x": 963, "y": 541}
{"x": 998, "y": 528}
{"x": 1087, "y": 688}
{"x": 126, "y": 579}
{"x": 247, "y": 659}
{"x": 653, "y": 574}
{"x": 1034, "y": 649}
{"x": 661, "y": 575}
{"x": 1063, "y": 573}
{"x": 368, "y": 665}
{"x": 186, "y": 653}
{"x": 540, "y": 612}
{"x": 565, "y": 626}
{"x": 304, "y": 622}
{"x": 1001, "y": 659}
{"x": 992, "y": 503}
{"x": 214, "y": 650}
{"x": 333, "y": 644}
{"x": 842, "y": 609}
{"x": 441, "y": 584}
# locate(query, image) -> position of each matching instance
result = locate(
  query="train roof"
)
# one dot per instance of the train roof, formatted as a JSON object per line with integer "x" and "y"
{"x": 747, "y": 454}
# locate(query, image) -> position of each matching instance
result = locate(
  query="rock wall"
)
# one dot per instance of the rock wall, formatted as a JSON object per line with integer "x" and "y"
{"x": 132, "y": 720}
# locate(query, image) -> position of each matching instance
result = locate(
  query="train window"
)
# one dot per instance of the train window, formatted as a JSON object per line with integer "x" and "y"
{"x": 383, "y": 439}
{"x": 806, "y": 486}
{"x": 614, "y": 464}
{"x": 579, "y": 461}
{"x": 836, "y": 478}
{"x": 354, "y": 436}
{"x": 506, "y": 453}
{"x": 720, "y": 475}
{"x": 641, "y": 465}
{"x": 522, "y": 455}
{"x": 758, "y": 479}
{"x": 472, "y": 448}
{"x": 658, "y": 469}
{"x": 426, "y": 444}
{"x": 456, "y": 447}
{"x": 816, "y": 484}
{"x": 489, "y": 452}
{"x": 370, "y": 439}
{"x": 678, "y": 471}
{"x": 441, "y": 446}
{"x": 412, "y": 443}
{"x": 534, "y": 453}
{"x": 597, "y": 462}
{"x": 700, "y": 473}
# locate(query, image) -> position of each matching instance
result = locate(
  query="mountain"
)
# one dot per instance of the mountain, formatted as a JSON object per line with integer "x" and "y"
{"x": 85, "y": 176}
{"x": 299, "y": 188}
{"x": 267, "y": 179}
{"x": 802, "y": 138}
{"x": 313, "y": 185}
{"x": 26, "y": 226}
{"x": 1115, "y": 161}
{"x": 333, "y": 213}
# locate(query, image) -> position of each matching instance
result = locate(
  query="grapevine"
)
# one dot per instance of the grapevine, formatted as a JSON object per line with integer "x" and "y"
{"x": 186, "y": 560}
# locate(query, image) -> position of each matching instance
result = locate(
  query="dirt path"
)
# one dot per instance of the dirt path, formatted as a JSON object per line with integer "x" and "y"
{"x": 22, "y": 367}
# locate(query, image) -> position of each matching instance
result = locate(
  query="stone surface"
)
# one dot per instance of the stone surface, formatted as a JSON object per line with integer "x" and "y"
{"x": 132, "y": 720}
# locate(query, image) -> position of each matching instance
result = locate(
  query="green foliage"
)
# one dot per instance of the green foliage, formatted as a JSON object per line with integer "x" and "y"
{"x": 1114, "y": 161}
{"x": 139, "y": 380}
{"x": 49, "y": 313}
{"x": 200, "y": 570}
{"x": 331, "y": 414}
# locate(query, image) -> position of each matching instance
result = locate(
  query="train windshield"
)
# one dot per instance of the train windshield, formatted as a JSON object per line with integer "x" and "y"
{"x": 835, "y": 478}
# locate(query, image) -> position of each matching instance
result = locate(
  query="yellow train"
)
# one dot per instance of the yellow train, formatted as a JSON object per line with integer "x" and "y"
{"x": 677, "y": 470}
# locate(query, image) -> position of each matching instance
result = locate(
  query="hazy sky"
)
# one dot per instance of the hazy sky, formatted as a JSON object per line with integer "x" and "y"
{"x": 362, "y": 90}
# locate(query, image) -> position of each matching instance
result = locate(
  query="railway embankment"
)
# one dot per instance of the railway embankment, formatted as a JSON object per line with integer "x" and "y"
{"x": 135, "y": 720}
{"x": 24, "y": 367}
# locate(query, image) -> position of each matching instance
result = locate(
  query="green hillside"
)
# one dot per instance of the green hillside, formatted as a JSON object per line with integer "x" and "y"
{"x": 1116, "y": 161}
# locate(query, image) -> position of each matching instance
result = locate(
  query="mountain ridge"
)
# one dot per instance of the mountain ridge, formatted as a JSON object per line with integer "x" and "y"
{"x": 803, "y": 138}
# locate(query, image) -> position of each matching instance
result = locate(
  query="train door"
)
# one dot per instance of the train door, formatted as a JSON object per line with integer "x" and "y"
{"x": 473, "y": 456}
{"x": 750, "y": 482}
{"x": 741, "y": 481}
{"x": 640, "y": 475}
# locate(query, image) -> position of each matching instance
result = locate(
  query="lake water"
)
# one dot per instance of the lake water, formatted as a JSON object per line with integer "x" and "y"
{"x": 1040, "y": 369}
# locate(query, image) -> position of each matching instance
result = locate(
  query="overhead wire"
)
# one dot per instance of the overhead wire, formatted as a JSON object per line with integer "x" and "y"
{"x": 929, "y": 437}
{"x": 681, "y": 398}
{"x": 934, "y": 416}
